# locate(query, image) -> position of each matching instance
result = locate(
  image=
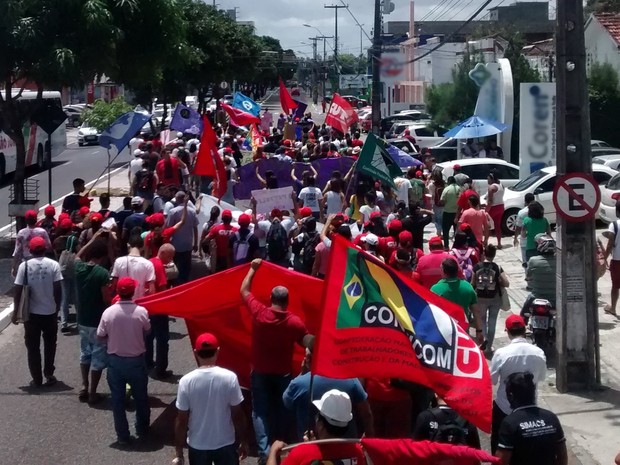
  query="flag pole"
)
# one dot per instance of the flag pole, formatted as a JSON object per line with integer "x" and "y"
{"x": 310, "y": 404}
{"x": 109, "y": 164}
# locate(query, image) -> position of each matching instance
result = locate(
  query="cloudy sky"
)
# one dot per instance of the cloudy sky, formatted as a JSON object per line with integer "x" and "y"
{"x": 284, "y": 19}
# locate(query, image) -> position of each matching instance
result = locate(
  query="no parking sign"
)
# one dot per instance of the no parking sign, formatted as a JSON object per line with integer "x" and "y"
{"x": 576, "y": 197}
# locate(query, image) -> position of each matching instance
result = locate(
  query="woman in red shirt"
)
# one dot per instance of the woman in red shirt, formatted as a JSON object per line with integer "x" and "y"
{"x": 160, "y": 235}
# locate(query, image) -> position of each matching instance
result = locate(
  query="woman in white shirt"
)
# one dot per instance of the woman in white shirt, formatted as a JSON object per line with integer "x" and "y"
{"x": 333, "y": 202}
{"x": 311, "y": 196}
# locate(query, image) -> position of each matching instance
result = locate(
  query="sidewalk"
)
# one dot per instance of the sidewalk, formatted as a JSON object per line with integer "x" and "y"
{"x": 589, "y": 418}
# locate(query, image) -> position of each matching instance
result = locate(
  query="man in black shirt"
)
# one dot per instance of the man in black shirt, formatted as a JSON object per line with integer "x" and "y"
{"x": 72, "y": 201}
{"x": 415, "y": 224}
{"x": 442, "y": 424}
{"x": 530, "y": 435}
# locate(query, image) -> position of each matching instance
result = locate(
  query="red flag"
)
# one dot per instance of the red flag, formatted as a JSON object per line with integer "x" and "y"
{"x": 341, "y": 114}
{"x": 225, "y": 315}
{"x": 375, "y": 324}
{"x": 286, "y": 101}
{"x": 390, "y": 451}
{"x": 208, "y": 160}
{"x": 239, "y": 117}
{"x": 256, "y": 140}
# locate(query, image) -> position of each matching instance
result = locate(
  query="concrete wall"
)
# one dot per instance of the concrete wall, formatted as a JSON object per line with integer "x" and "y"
{"x": 600, "y": 46}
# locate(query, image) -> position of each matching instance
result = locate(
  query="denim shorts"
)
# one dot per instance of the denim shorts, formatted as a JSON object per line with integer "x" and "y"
{"x": 93, "y": 352}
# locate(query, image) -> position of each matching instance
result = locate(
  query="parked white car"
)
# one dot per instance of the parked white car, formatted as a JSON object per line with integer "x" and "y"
{"x": 87, "y": 135}
{"x": 612, "y": 161}
{"x": 610, "y": 193}
{"x": 478, "y": 170}
{"x": 541, "y": 184}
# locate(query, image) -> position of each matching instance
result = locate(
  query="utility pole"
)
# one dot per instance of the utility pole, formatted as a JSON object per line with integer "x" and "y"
{"x": 324, "y": 64}
{"x": 315, "y": 89}
{"x": 578, "y": 341}
{"x": 336, "y": 8}
{"x": 376, "y": 70}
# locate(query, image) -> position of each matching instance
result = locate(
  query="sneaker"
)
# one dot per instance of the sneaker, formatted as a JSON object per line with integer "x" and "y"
{"x": 163, "y": 374}
{"x": 65, "y": 328}
{"x": 50, "y": 381}
{"x": 123, "y": 441}
{"x": 35, "y": 384}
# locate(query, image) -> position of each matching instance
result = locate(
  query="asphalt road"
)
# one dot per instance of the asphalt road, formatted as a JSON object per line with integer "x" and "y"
{"x": 85, "y": 162}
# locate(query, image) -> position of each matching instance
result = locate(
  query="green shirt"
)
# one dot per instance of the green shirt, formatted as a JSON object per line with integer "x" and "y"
{"x": 89, "y": 279}
{"x": 533, "y": 227}
{"x": 450, "y": 197}
{"x": 541, "y": 276}
{"x": 457, "y": 291}
{"x": 416, "y": 194}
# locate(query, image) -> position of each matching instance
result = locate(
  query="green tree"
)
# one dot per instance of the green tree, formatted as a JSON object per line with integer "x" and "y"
{"x": 103, "y": 114}
{"x": 602, "y": 6}
{"x": 604, "y": 102}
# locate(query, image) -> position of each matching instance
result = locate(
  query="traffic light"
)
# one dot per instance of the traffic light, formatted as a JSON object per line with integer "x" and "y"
{"x": 388, "y": 7}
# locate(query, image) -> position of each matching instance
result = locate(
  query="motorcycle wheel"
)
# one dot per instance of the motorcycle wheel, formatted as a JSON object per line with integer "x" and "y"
{"x": 540, "y": 339}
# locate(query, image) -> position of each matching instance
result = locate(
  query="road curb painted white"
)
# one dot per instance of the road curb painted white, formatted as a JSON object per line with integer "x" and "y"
{"x": 5, "y": 317}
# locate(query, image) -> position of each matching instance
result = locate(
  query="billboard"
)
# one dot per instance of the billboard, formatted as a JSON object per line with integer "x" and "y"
{"x": 353, "y": 81}
{"x": 537, "y": 127}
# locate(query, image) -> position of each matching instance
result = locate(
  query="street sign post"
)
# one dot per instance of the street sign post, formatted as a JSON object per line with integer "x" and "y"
{"x": 576, "y": 197}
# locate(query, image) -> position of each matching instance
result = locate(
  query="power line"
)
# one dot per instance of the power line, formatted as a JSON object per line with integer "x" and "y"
{"x": 445, "y": 9}
{"x": 430, "y": 13}
{"x": 355, "y": 19}
{"x": 441, "y": 44}
{"x": 459, "y": 12}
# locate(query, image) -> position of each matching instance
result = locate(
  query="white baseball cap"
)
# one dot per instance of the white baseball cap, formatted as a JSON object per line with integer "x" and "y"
{"x": 137, "y": 153}
{"x": 370, "y": 239}
{"x": 335, "y": 407}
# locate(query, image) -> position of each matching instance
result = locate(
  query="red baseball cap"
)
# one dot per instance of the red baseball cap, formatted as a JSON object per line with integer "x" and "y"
{"x": 374, "y": 215}
{"x": 206, "y": 341}
{"x": 286, "y": 143}
{"x": 244, "y": 219}
{"x": 126, "y": 286}
{"x": 156, "y": 219}
{"x": 405, "y": 236}
{"x": 276, "y": 213}
{"x": 305, "y": 212}
{"x": 63, "y": 216}
{"x": 96, "y": 217}
{"x": 435, "y": 240}
{"x": 464, "y": 227}
{"x": 456, "y": 167}
{"x": 37, "y": 243}
{"x": 226, "y": 214}
{"x": 515, "y": 322}
{"x": 395, "y": 226}
{"x": 49, "y": 211}
{"x": 84, "y": 211}
{"x": 66, "y": 223}
{"x": 31, "y": 214}
{"x": 338, "y": 220}
{"x": 418, "y": 174}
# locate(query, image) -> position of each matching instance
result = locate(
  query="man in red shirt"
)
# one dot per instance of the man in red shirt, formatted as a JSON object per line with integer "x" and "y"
{"x": 160, "y": 327}
{"x": 332, "y": 422}
{"x": 463, "y": 202}
{"x": 222, "y": 233}
{"x": 275, "y": 331}
{"x": 168, "y": 170}
{"x": 429, "y": 272}
{"x": 387, "y": 245}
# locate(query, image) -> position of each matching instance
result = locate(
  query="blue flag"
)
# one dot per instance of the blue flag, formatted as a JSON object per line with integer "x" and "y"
{"x": 120, "y": 132}
{"x": 245, "y": 103}
{"x": 186, "y": 120}
{"x": 300, "y": 111}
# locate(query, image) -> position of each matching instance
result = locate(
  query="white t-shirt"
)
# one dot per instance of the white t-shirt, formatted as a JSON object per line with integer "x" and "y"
{"x": 135, "y": 165}
{"x": 208, "y": 393}
{"x": 333, "y": 202}
{"x": 287, "y": 223}
{"x": 519, "y": 223}
{"x": 402, "y": 189}
{"x": 615, "y": 255}
{"x": 138, "y": 268}
{"x": 43, "y": 272}
{"x": 310, "y": 196}
{"x": 135, "y": 144}
{"x": 365, "y": 210}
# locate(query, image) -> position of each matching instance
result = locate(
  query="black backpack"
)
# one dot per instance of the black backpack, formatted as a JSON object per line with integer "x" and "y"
{"x": 451, "y": 428}
{"x": 308, "y": 250}
{"x": 144, "y": 180}
{"x": 277, "y": 242}
{"x": 486, "y": 279}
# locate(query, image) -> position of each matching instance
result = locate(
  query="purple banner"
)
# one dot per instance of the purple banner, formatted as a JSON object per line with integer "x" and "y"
{"x": 282, "y": 170}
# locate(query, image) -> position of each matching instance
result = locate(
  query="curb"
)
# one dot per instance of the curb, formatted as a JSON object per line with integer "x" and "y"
{"x": 5, "y": 317}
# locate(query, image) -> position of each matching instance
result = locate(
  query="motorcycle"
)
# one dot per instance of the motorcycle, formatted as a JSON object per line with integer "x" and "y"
{"x": 542, "y": 317}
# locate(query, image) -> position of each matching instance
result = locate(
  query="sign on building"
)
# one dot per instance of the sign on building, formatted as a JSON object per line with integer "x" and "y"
{"x": 537, "y": 127}
{"x": 353, "y": 81}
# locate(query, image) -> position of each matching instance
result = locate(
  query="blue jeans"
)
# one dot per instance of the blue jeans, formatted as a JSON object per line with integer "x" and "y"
{"x": 269, "y": 415}
{"x": 160, "y": 334}
{"x": 438, "y": 217}
{"x": 132, "y": 371}
{"x": 68, "y": 298}
{"x": 489, "y": 309}
{"x": 226, "y": 455}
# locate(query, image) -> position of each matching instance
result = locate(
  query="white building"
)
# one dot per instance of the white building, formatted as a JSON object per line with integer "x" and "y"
{"x": 602, "y": 36}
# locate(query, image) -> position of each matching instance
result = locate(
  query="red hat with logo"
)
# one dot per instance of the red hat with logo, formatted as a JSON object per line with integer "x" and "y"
{"x": 37, "y": 244}
{"x": 126, "y": 286}
{"x": 96, "y": 218}
{"x": 244, "y": 219}
{"x": 395, "y": 226}
{"x": 31, "y": 214}
{"x": 435, "y": 240}
{"x": 515, "y": 322}
{"x": 206, "y": 341}
{"x": 226, "y": 214}
{"x": 49, "y": 211}
{"x": 305, "y": 212}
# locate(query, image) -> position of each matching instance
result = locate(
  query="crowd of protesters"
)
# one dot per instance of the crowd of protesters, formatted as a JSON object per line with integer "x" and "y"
{"x": 101, "y": 261}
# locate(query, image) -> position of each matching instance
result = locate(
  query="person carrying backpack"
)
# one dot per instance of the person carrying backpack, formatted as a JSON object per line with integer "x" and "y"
{"x": 489, "y": 282}
{"x": 304, "y": 247}
{"x": 243, "y": 242}
{"x": 277, "y": 241}
{"x": 444, "y": 425}
{"x": 465, "y": 255}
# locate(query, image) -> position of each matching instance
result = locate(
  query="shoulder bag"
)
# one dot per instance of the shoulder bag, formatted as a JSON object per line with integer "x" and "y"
{"x": 23, "y": 309}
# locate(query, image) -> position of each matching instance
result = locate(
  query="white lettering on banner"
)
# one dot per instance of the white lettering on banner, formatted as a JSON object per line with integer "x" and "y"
{"x": 537, "y": 127}
{"x": 268, "y": 199}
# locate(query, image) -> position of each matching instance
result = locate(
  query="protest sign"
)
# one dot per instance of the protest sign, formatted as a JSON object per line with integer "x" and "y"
{"x": 268, "y": 199}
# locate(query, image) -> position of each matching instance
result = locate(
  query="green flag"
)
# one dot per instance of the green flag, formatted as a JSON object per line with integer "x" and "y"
{"x": 376, "y": 162}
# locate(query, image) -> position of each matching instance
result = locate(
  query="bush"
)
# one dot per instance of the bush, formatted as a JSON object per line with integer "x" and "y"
{"x": 103, "y": 114}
